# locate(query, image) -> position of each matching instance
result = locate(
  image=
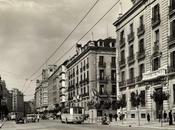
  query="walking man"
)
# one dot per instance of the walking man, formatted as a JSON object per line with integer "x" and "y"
{"x": 170, "y": 118}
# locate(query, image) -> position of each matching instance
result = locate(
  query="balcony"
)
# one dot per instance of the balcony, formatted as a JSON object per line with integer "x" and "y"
{"x": 141, "y": 30}
{"x": 139, "y": 78}
{"x": 86, "y": 80}
{"x": 171, "y": 69}
{"x": 161, "y": 72}
{"x": 141, "y": 55}
{"x": 171, "y": 41}
{"x": 156, "y": 21}
{"x": 122, "y": 42}
{"x": 131, "y": 37}
{"x": 113, "y": 80}
{"x": 156, "y": 50}
{"x": 171, "y": 10}
{"x": 131, "y": 59}
{"x": 113, "y": 65}
{"x": 122, "y": 63}
{"x": 102, "y": 64}
{"x": 131, "y": 81}
{"x": 122, "y": 84}
{"x": 87, "y": 66}
{"x": 103, "y": 80}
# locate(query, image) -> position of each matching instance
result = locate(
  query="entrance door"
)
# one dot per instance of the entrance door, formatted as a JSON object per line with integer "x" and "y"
{"x": 159, "y": 105}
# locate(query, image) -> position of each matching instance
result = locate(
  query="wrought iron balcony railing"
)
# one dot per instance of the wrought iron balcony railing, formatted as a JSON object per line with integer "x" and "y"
{"x": 156, "y": 21}
{"x": 141, "y": 30}
{"x": 131, "y": 37}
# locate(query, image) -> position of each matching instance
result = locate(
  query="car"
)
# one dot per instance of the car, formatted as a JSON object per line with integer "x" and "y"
{"x": 31, "y": 118}
{"x": 20, "y": 120}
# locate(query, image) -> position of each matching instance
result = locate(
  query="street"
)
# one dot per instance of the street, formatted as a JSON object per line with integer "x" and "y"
{"x": 55, "y": 125}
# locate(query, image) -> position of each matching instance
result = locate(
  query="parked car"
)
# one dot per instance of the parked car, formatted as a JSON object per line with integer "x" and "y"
{"x": 20, "y": 120}
{"x": 31, "y": 118}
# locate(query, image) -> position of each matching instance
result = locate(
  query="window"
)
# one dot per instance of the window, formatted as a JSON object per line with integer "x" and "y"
{"x": 156, "y": 64}
{"x": 101, "y": 74}
{"x": 143, "y": 115}
{"x": 172, "y": 59}
{"x": 131, "y": 73}
{"x": 122, "y": 36}
{"x": 131, "y": 28}
{"x": 101, "y": 89}
{"x": 141, "y": 20}
{"x": 172, "y": 4}
{"x": 155, "y": 13}
{"x": 132, "y": 115}
{"x": 172, "y": 29}
{"x": 157, "y": 36}
{"x": 113, "y": 59}
{"x": 87, "y": 66}
{"x": 123, "y": 55}
{"x": 113, "y": 89}
{"x": 101, "y": 59}
{"x": 123, "y": 76}
{"x": 113, "y": 75}
{"x": 142, "y": 95}
{"x": 131, "y": 51}
{"x": 141, "y": 69}
{"x": 88, "y": 75}
{"x": 141, "y": 46}
{"x": 174, "y": 93}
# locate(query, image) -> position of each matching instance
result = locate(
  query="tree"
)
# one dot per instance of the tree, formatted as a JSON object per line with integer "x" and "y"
{"x": 136, "y": 99}
{"x": 159, "y": 96}
{"x": 121, "y": 103}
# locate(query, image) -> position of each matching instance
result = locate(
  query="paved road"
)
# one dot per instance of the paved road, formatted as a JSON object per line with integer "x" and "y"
{"x": 55, "y": 125}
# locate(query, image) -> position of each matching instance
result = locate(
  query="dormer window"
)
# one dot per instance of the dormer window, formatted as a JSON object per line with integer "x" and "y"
{"x": 100, "y": 43}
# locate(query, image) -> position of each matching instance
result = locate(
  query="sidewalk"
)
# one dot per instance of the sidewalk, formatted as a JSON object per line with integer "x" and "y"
{"x": 2, "y": 123}
{"x": 143, "y": 124}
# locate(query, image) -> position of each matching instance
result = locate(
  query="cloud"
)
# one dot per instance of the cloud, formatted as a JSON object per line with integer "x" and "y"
{"x": 31, "y": 29}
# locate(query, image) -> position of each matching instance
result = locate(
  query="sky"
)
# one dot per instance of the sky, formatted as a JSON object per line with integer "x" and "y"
{"x": 30, "y": 30}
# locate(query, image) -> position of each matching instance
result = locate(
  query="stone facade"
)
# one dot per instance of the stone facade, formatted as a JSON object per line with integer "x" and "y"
{"x": 142, "y": 37}
{"x": 92, "y": 76}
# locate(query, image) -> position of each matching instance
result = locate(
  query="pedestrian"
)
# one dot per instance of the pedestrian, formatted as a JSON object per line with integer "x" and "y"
{"x": 110, "y": 117}
{"x": 160, "y": 115}
{"x": 148, "y": 117}
{"x": 174, "y": 116}
{"x": 165, "y": 116}
{"x": 170, "y": 118}
{"x": 116, "y": 116}
{"x": 38, "y": 117}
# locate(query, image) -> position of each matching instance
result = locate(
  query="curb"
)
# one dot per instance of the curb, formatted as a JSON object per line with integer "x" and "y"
{"x": 1, "y": 125}
{"x": 152, "y": 127}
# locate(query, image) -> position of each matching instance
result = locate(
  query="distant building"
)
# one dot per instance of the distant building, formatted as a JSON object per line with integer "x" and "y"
{"x": 29, "y": 107}
{"x": 41, "y": 91}
{"x": 17, "y": 100}
{"x": 5, "y": 99}
{"x": 92, "y": 77}
{"x": 57, "y": 87}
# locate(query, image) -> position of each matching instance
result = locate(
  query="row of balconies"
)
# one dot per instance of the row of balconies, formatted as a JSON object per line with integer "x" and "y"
{"x": 171, "y": 10}
{"x": 140, "y": 32}
{"x": 147, "y": 76}
{"x": 105, "y": 80}
{"x": 103, "y": 65}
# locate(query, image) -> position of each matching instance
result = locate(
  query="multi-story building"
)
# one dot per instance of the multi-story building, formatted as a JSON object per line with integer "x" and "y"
{"x": 171, "y": 53}
{"x": 5, "y": 99}
{"x": 29, "y": 107}
{"x": 145, "y": 52}
{"x": 41, "y": 91}
{"x": 17, "y": 101}
{"x": 92, "y": 77}
{"x": 57, "y": 87}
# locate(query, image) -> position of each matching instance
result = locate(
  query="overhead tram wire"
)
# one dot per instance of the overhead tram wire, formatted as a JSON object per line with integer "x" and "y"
{"x": 64, "y": 40}
{"x": 83, "y": 35}
{"x": 88, "y": 31}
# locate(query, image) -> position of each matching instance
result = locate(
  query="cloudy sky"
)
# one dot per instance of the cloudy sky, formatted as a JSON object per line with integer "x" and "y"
{"x": 30, "y": 30}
